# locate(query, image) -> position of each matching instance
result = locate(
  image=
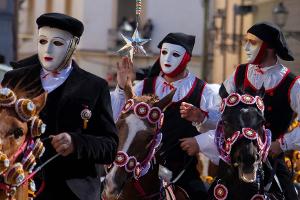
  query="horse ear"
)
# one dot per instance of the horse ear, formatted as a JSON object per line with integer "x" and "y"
{"x": 166, "y": 101}
{"x": 261, "y": 91}
{"x": 223, "y": 92}
{"x": 40, "y": 101}
{"x": 128, "y": 89}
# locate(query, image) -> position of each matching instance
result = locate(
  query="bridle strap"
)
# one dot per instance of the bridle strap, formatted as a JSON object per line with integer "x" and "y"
{"x": 273, "y": 175}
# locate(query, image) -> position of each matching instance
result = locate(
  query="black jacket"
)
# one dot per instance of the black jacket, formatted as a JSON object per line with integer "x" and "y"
{"x": 95, "y": 145}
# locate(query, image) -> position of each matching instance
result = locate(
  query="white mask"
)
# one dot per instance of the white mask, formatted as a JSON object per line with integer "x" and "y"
{"x": 252, "y": 47}
{"x": 170, "y": 57}
{"x": 53, "y": 45}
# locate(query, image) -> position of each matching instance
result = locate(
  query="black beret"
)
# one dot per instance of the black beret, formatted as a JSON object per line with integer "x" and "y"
{"x": 61, "y": 21}
{"x": 184, "y": 40}
{"x": 272, "y": 35}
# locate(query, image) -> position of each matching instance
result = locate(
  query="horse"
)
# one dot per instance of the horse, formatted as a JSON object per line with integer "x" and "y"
{"x": 133, "y": 174}
{"x": 243, "y": 142}
{"x": 19, "y": 125}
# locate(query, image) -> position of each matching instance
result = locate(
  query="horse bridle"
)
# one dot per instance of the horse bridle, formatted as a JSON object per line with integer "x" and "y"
{"x": 154, "y": 116}
{"x": 225, "y": 144}
{"x": 13, "y": 177}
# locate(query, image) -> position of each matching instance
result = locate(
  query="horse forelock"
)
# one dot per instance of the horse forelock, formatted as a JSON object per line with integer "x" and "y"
{"x": 149, "y": 99}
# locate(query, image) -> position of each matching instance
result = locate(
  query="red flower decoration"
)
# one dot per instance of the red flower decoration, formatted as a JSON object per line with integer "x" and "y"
{"x": 247, "y": 99}
{"x": 249, "y": 133}
{"x": 233, "y": 99}
{"x": 220, "y": 192}
{"x": 121, "y": 159}
{"x": 260, "y": 104}
{"x": 141, "y": 110}
{"x": 129, "y": 167}
{"x": 154, "y": 115}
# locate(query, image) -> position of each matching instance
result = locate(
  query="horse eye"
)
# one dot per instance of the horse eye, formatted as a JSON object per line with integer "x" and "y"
{"x": 18, "y": 132}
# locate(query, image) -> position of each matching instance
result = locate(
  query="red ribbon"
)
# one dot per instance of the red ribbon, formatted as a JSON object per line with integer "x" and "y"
{"x": 54, "y": 74}
{"x": 167, "y": 85}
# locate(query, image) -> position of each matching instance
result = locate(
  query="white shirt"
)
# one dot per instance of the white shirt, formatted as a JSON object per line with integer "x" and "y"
{"x": 209, "y": 97}
{"x": 51, "y": 81}
{"x": 270, "y": 78}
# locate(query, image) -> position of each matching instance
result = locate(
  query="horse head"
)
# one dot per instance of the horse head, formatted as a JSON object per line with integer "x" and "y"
{"x": 19, "y": 124}
{"x": 244, "y": 142}
{"x": 138, "y": 130}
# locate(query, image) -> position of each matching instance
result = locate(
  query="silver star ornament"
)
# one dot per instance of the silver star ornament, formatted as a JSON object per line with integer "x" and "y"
{"x": 134, "y": 44}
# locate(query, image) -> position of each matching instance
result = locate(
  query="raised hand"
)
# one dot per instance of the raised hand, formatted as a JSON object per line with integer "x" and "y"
{"x": 124, "y": 72}
{"x": 191, "y": 113}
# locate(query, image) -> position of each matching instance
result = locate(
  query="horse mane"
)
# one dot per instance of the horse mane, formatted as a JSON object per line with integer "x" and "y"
{"x": 24, "y": 88}
{"x": 149, "y": 99}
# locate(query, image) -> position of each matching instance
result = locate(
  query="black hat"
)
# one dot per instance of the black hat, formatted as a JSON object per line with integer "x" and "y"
{"x": 274, "y": 38}
{"x": 184, "y": 40}
{"x": 61, "y": 21}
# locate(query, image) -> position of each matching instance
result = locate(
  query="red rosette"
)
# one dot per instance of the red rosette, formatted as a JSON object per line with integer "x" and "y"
{"x": 130, "y": 166}
{"x": 260, "y": 104}
{"x": 141, "y": 110}
{"x": 128, "y": 105}
{"x": 223, "y": 105}
{"x": 247, "y": 99}
{"x": 220, "y": 192}
{"x": 233, "y": 99}
{"x": 137, "y": 171}
{"x": 258, "y": 197}
{"x": 154, "y": 115}
{"x": 249, "y": 133}
{"x": 121, "y": 159}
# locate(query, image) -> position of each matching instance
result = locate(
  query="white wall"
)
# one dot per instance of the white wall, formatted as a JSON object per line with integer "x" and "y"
{"x": 176, "y": 16}
{"x": 97, "y": 19}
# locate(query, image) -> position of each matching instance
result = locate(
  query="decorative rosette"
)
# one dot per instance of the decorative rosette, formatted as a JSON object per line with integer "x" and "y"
{"x": 222, "y": 106}
{"x": 86, "y": 114}
{"x": 7, "y": 97}
{"x": 28, "y": 162}
{"x": 260, "y": 104}
{"x": 38, "y": 148}
{"x": 220, "y": 192}
{"x": 233, "y": 99}
{"x": 37, "y": 127}
{"x": 121, "y": 159}
{"x": 154, "y": 115}
{"x": 249, "y": 133}
{"x": 25, "y": 109}
{"x": 128, "y": 105}
{"x": 15, "y": 175}
{"x": 129, "y": 167}
{"x": 4, "y": 163}
{"x": 247, "y": 99}
{"x": 141, "y": 110}
{"x": 258, "y": 197}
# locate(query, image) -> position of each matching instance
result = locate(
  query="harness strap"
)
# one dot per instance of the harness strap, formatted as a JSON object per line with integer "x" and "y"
{"x": 273, "y": 175}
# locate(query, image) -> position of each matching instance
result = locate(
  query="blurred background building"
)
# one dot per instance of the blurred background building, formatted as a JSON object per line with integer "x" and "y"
{"x": 105, "y": 19}
{"x": 231, "y": 20}
{"x": 219, "y": 26}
